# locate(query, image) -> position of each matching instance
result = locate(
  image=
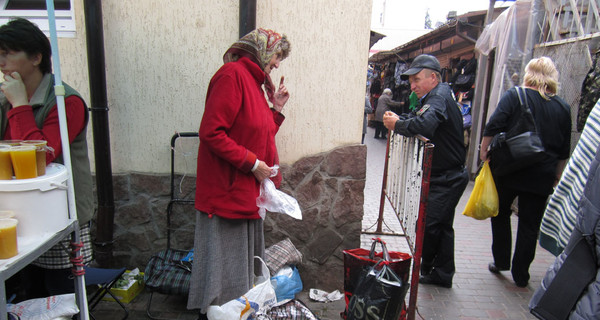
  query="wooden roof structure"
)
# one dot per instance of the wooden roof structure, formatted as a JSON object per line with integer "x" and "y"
{"x": 457, "y": 36}
{"x": 375, "y": 36}
{"x": 567, "y": 19}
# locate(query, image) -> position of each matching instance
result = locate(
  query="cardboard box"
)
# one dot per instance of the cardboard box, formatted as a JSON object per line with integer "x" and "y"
{"x": 125, "y": 295}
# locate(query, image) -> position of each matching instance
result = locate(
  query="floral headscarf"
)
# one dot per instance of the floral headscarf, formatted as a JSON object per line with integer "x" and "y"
{"x": 259, "y": 46}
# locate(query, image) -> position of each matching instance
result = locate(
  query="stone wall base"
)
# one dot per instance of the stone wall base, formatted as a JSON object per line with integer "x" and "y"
{"x": 328, "y": 186}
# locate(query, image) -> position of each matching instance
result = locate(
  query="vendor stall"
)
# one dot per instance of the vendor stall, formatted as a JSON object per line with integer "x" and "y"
{"x": 44, "y": 205}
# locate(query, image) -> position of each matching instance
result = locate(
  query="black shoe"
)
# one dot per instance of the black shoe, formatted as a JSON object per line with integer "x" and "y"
{"x": 521, "y": 284}
{"x": 521, "y": 280}
{"x": 202, "y": 316}
{"x": 493, "y": 269}
{"x": 435, "y": 280}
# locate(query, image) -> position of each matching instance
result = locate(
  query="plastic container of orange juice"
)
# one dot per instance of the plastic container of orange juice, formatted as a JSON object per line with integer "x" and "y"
{"x": 11, "y": 142}
{"x": 23, "y": 161}
{"x": 6, "y": 170}
{"x": 40, "y": 204}
{"x": 40, "y": 154}
{"x": 6, "y": 214}
{"x": 8, "y": 238}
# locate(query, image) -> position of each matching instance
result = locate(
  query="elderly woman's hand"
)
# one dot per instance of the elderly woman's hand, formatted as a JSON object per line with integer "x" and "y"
{"x": 281, "y": 96}
{"x": 262, "y": 172}
{"x": 14, "y": 90}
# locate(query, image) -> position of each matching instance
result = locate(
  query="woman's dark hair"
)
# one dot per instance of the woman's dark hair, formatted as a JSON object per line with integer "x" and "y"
{"x": 21, "y": 35}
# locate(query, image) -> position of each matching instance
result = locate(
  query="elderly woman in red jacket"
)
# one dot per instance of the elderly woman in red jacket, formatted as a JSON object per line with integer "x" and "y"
{"x": 237, "y": 151}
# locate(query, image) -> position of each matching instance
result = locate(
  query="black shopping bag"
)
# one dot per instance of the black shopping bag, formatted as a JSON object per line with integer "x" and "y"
{"x": 358, "y": 261}
{"x": 379, "y": 294}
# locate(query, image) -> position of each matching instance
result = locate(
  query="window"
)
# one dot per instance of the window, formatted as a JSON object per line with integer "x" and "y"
{"x": 35, "y": 11}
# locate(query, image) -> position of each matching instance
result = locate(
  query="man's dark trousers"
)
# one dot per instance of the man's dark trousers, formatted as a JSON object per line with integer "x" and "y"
{"x": 445, "y": 191}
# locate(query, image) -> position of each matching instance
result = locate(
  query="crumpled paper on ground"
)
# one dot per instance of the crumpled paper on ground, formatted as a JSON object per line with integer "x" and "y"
{"x": 323, "y": 296}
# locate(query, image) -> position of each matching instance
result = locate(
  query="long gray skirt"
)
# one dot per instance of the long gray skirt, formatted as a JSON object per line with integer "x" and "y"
{"x": 223, "y": 267}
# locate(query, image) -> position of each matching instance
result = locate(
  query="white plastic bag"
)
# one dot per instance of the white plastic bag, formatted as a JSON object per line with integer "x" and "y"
{"x": 45, "y": 308}
{"x": 261, "y": 297}
{"x": 276, "y": 201}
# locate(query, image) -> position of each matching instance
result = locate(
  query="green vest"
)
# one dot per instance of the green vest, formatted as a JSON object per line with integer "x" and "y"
{"x": 42, "y": 102}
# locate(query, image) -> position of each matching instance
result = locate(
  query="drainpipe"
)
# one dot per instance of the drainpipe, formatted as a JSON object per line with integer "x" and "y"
{"x": 99, "y": 107}
{"x": 247, "y": 16}
{"x": 479, "y": 113}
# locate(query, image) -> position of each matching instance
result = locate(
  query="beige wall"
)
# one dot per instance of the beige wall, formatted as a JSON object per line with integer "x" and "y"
{"x": 160, "y": 58}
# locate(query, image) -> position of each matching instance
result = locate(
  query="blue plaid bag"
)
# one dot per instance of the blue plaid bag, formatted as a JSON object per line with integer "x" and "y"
{"x": 167, "y": 273}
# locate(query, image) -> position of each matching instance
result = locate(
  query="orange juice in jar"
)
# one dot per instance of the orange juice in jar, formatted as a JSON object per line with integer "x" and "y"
{"x": 40, "y": 154}
{"x": 8, "y": 238}
{"x": 23, "y": 161}
{"x": 6, "y": 170}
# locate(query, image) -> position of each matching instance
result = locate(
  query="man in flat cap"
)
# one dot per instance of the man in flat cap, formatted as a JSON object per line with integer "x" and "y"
{"x": 438, "y": 118}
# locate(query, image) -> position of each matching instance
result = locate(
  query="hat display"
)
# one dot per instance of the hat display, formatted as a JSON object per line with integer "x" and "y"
{"x": 421, "y": 62}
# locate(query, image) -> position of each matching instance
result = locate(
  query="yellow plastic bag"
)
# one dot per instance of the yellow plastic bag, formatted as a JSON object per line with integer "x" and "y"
{"x": 483, "y": 202}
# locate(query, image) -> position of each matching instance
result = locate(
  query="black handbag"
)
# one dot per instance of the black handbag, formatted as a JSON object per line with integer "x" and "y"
{"x": 379, "y": 294}
{"x": 518, "y": 148}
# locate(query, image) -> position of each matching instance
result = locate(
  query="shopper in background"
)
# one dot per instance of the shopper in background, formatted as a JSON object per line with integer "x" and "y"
{"x": 439, "y": 119}
{"x": 384, "y": 104}
{"x": 532, "y": 184}
{"x": 28, "y": 112}
{"x": 368, "y": 110}
{"x": 237, "y": 151}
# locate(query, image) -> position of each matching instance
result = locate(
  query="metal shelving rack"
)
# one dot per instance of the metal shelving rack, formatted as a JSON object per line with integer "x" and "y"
{"x": 11, "y": 266}
{"x": 31, "y": 252}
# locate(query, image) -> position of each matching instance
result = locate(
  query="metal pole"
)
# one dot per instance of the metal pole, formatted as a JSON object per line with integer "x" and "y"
{"x": 480, "y": 113}
{"x": 416, "y": 271}
{"x": 383, "y": 186}
{"x": 80, "y": 296}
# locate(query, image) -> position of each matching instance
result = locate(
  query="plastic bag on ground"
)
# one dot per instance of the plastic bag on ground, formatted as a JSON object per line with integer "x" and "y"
{"x": 287, "y": 283}
{"x": 260, "y": 297}
{"x": 379, "y": 294}
{"x": 324, "y": 296}
{"x": 483, "y": 202}
{"x": 45, "y": 308}
{"x": 286, "y": 310}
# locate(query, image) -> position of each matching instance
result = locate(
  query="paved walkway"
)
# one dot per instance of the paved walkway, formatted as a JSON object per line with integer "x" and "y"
{"x": 476, "y": 293}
